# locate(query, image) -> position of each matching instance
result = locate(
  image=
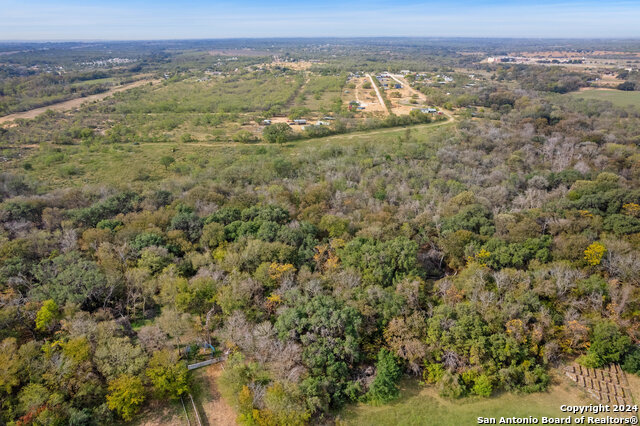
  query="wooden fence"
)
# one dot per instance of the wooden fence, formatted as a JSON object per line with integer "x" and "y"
{"x": 608, "y": 385}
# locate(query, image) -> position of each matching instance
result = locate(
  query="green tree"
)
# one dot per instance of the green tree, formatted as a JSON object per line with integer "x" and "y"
{"x": 482, "y": 386}
{"x": 284, "y": 405}
{"x": 196, "y": 296}
{"x": 632, "y": 361}
{"x": 9, "y": 365}
{"x": 608, "y": 345}
{"x": 277, "y": 133}
{"x": 126, "y": 395}
{"x": 188, "y": 222}
{"x": 335, "y": 226}
{"x": 33, "y": 396}
{"x": 384, "y": 387}
{"x": 168, "y": 374}
{"x": 381, "y": 262}
{"x": 212, "y": 235}
{"x": 70, "y": 278}
{"x": 166, "y": 161}
{"x": 627, "y": 86}
{"x": 117, "y": 355}
{"x": 329, "y": 332}
{"x": 48, "y": 313}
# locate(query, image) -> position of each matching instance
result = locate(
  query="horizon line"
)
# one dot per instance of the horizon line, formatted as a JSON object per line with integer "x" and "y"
{"x": 84, "y": 40}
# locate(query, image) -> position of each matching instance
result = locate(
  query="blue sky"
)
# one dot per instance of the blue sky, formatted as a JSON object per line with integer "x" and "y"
{"x": 161, "y": 19}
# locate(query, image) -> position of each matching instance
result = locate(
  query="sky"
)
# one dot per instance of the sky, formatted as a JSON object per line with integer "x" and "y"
{"x": 196, "y": 19}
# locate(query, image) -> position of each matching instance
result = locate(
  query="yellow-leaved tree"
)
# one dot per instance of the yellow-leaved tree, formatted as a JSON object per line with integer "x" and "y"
{"x": 594, "y": 253}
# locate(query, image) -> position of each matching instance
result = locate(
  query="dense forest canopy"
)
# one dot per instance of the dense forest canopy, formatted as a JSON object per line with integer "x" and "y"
{"x": 474, "y": 252}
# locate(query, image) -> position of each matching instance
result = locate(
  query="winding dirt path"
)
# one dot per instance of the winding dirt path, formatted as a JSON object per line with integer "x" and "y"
{"x": 74, "y": 103}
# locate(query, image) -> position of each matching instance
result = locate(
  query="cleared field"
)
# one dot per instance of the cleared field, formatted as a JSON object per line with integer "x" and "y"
{"x": 366, "y": 97}
{"x": 321, "y": 92}
{"x": 247, "y": 93}
{"x": 139, "y": 165}
{"x": 616, "y": 97}
{"x": 74, "y": 103}
{"x": 299, "y": 65}
{"x": 419, "y": 406}
{"x": 409, "y": 97}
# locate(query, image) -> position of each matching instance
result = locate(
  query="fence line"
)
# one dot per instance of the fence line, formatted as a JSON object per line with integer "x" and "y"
{"x": 203, "y": 363}
{"x": 185, "y": 411}
{"x": 196, "y": 411}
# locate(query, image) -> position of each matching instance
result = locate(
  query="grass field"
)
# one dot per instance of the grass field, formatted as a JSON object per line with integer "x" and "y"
{"x": 139, "y": 165}
{"x": 417, "y": 405}
{"x": 616, "y": 97}
{"x": 422, "y": 405}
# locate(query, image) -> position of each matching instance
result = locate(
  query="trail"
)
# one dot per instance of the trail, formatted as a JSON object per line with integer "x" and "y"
{"x": 375, "y": 86}
{"x": 74, "y": 103}
{"x": 352, "y": 135}
{"x": 392, "y": 130}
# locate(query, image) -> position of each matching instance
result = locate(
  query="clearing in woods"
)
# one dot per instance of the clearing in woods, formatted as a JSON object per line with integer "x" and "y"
{"x": 418, "y": 403}
{"x": 212, "y": 408}
{"x": 619, "y": 98}
{"x": 115, "y": 164}
{"x": 366, "y": 97}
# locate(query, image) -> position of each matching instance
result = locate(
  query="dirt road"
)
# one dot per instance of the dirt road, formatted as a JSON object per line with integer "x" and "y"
{"x": 423, "y": 98}
{"x": 74, "y": 103}
{"x": 375, "y": 86}
{"x": 401, "y": 80}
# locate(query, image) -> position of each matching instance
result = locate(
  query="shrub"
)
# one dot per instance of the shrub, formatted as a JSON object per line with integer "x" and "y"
{"x": 482, "y": 386}
{"x": 449, "y": 386}
{"x": 433, "y": 373}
